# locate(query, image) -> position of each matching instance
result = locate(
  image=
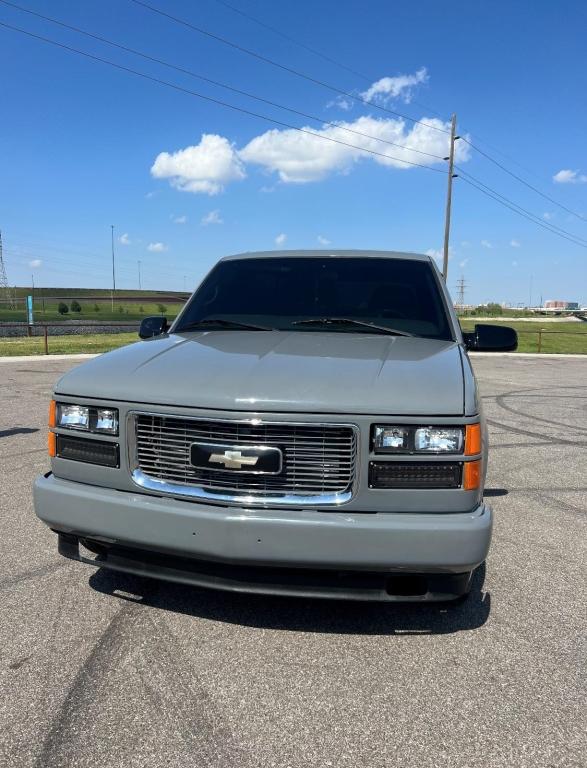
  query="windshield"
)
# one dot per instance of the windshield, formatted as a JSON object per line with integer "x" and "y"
{"x": 278, "y": 292}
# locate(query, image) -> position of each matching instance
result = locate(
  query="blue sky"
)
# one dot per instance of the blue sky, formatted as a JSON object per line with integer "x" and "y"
{"x": 185, "y": 181}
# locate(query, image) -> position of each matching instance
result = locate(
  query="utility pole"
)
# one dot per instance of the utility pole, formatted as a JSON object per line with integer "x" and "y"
{"x": 113, "y": 272}
{"x": 33, "y": 288}
{"x": 451, "y": 175}
{"x": 139, "y": 263}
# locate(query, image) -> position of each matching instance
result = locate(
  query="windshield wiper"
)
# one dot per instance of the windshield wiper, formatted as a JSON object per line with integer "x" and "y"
{"x": 223, "y": 323}
{"x": 351, "y": 321}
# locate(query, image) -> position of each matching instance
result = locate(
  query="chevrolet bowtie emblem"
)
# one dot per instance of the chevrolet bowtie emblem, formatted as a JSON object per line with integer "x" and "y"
{"x": 233, "y": 459}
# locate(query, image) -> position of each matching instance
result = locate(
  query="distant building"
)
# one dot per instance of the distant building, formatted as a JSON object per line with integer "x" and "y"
{"x": 558, "y": 304}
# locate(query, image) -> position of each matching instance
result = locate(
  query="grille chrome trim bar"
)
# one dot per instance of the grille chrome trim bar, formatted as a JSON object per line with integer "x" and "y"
{"x": 342, "y": 450}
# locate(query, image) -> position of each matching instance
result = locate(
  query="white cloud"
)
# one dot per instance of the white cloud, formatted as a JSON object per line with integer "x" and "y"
{"x": 566, "y": 176}
{"x": 150, "y": 195}
{"x": 342, "y": 102}
{"x": 280, "y": 239}
{"x": 514, "y": 263}
{"x": 323, "y": 240}
{"x": 124, "y": 239}
{"x": 157, "y": 247}
{"x": 35, "y": 263}
{"x": 486, "y": 244}
{"x": 301, "y": 158}
{"x": 202, "y": 168}
{"x": 179, "y": 219}
{"x": 212, "y": 218}
{"x": 388, "y": 88}
{"x": 465, "y": 244}
{"x": 515, "y": 243}
{"x": 547, "y": 215}
{"x": 463, "y": 263}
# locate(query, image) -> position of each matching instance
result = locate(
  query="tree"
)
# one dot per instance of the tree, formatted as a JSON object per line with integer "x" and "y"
{"x": 494, "y": 309}
{"x": 96, "y": 308}
{"x": 75, "y": 306}
{"x": 63, "y": 309}
{"x": 162, "y": 308}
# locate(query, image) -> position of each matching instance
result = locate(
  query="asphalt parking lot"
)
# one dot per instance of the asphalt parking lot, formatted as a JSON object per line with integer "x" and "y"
{"x": 100, "y": 669}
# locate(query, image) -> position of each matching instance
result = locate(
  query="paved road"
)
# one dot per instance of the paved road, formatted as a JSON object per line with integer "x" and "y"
{"x": 108, "y": 670}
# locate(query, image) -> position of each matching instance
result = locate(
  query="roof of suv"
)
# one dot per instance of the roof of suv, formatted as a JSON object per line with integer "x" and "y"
{"x": 328, "y": 252}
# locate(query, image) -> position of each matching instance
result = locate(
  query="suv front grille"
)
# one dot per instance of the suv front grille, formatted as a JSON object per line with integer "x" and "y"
{"x": 319, "y": 460}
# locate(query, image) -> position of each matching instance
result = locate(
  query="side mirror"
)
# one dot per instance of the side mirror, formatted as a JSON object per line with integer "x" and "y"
{"x": 491, "y": 338}
{"x": 153, "y": 326}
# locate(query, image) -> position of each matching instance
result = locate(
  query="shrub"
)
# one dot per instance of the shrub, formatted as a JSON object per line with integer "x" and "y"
{"x": 96, "y": 308}
{"x": 162, "y": 308}
{"x": 121, "y": 310}
{"x": 75, "y": 306}
{"x": 62, "y": 308}
{"x": 141, "y": 310}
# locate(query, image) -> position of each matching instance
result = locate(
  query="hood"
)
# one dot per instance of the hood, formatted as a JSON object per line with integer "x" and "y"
{"x": 319, "y": 372}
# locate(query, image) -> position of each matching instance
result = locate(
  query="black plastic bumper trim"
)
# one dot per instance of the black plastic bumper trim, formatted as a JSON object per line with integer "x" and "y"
{"x": 387, "y": 586}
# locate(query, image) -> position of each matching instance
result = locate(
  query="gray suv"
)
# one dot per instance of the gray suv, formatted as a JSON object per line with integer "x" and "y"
{"x": 308, "y": 425}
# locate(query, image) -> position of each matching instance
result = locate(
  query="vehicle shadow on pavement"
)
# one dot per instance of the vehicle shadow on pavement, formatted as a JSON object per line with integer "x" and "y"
{"x": 294, "y": 614}
{"x": 17, "y": 431}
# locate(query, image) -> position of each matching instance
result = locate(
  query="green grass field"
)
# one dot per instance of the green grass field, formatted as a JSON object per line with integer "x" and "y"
{"x": 570, "y": 338}
{"x": 557, "y": 338}
{"x": 66, "y": 345}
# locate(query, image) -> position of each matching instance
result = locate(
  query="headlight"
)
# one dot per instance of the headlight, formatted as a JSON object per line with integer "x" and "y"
{"x": 87, "y": 418}
{"x": 407, "y": 439}
{"x": 73, "y": 416}
{"x": 391, "y": 438}
{"x": 438, "y": 440}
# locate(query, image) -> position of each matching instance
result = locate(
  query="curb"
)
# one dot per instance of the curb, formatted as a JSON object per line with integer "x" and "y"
{"x": 539, "y": 355}
{"x": 40, "y": 358}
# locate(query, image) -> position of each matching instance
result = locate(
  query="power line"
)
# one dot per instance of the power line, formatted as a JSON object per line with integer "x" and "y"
{"x": 292, "y": 40}
{"x": 273, "y": 63}
{"x": 213, "y": 100}
{"x": 368, "y": 79}
{"x": 521, "y": 212}
{"x": 321, "y": 54}
{"x": 323, "y": 84}
{"x": 214, "y": 82}
{"x": 524, "y": 210}
{"x": 522, "y": 181}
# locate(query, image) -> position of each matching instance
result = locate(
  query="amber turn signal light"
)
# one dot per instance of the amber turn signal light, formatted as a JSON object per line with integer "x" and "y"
{"x": 51, "y": 444}
{"x": 472, "y": 475}
{"x": 52, "y": 413}
{"x": 473, "y": 439}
